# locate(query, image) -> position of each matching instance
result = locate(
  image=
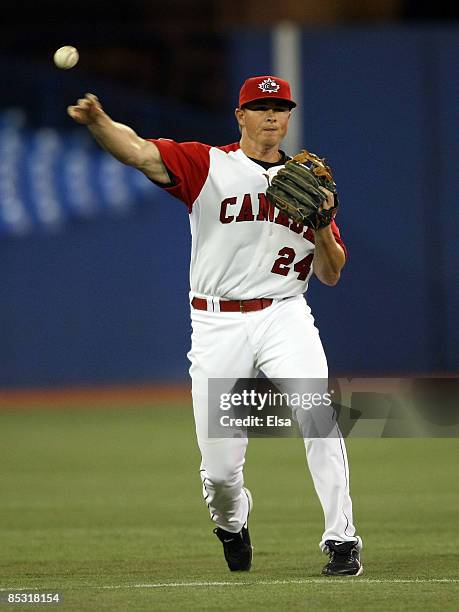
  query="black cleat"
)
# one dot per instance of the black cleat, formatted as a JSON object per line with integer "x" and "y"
{"x": 237, "y": 549}
{"x": 237, "y": 546}
{"x": 344, "y": 559}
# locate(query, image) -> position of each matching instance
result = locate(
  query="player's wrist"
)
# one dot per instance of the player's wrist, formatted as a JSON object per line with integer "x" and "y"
{"x": 323, "y": 231}
{"x": 98, "y": 120}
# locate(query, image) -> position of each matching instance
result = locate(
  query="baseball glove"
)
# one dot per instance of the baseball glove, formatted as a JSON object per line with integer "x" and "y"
{"x": 296, "y": 190}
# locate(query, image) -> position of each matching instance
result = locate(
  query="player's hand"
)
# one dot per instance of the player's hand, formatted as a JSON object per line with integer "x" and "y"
{"x": 326, "y": 205}
{"x": 87, "y": 110}
{"x": 329, "y": 202}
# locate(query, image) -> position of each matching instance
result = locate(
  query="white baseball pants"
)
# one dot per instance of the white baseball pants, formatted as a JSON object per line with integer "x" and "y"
{"x": 283, "y": 342}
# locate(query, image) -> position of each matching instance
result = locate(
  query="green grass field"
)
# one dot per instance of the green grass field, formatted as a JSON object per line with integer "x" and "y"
{"x": 104, "y": 506}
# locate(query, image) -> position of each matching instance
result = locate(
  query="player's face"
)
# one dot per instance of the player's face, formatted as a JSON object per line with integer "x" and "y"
{"x": 265, "y": 121}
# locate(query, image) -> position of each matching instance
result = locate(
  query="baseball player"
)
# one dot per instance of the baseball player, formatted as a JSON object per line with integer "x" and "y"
{"x": 250, "y": 267}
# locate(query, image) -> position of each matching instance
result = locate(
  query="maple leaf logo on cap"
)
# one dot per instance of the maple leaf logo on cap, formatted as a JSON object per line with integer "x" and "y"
{"x": 269, "y": 86}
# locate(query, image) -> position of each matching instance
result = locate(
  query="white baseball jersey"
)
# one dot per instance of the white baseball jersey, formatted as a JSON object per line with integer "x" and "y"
{"x": 242, "y": 246}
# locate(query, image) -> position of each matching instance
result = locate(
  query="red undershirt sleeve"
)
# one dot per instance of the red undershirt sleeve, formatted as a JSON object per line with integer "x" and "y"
{"x": 338, "y": 238}
{"x": 188, "y": 164}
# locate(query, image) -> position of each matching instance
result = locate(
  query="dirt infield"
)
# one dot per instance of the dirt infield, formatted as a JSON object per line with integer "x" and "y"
{"x": 94, "y": 397}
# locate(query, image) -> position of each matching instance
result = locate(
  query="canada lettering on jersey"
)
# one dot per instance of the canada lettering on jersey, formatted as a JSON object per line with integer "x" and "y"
{"x": 243, "y": 209}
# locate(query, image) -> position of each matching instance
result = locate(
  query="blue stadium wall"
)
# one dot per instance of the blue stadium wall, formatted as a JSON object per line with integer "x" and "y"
{"x": 106, "y": 300}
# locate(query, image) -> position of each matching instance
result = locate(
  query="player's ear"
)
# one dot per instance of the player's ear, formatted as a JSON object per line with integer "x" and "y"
{"x": 239, "y": 114}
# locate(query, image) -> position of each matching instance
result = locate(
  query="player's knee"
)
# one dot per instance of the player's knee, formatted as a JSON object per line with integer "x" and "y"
{"x": 224, "y": 477}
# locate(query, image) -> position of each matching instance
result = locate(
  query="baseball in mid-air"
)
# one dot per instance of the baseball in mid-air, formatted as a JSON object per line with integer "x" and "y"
{"x": 66, "y": 57}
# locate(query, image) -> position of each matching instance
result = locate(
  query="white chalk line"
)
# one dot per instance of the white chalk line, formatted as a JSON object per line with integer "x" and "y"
{"x": 162, "y": 585}
{"x": 327, "y": 581}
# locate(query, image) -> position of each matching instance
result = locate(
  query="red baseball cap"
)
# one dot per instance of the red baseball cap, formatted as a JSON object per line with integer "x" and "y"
{"x": 265, "y": 87}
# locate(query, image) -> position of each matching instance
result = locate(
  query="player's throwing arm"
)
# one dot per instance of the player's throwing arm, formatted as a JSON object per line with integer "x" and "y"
{"x": 118, "y": 139}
